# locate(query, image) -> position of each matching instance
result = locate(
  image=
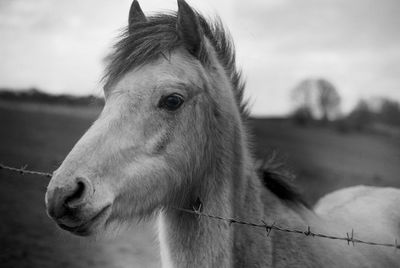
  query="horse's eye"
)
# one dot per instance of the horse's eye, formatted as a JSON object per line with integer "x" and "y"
{"x": 171, "y": 102}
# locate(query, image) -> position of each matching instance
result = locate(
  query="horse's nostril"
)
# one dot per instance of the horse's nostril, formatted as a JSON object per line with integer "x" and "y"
{"x": 81, "y": 192}
{"x": 65, "y": 200}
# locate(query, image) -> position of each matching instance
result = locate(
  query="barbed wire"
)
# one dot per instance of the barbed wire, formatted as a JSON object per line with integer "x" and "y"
{"x": 349, "y": 238}
{"x": 24, "y": 171}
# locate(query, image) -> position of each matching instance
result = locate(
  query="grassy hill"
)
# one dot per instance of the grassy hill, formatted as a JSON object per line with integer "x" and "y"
{"x": 42, "y": 135}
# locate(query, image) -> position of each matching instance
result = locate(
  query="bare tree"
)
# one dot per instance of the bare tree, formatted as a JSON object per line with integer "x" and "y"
{"x": 328, "y": 99}
{"x": 318, "y": 97}
{"x": 301, "y": 95}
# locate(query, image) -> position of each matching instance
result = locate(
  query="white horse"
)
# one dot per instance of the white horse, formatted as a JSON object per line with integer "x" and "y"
{"x": 172, "y": 134}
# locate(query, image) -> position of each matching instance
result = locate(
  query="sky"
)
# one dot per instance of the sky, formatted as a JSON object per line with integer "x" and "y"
{"x": 59, "y": 46}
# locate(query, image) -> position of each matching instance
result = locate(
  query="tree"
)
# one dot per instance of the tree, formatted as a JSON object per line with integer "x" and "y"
{"x": 319, "y": 97}
{"x": 328, "y": 98}
{"x": 301, "y": 96}
{"x": 302, "y": 116}
{"x": 361, "y": 116}
{"x": 389, "y": 112}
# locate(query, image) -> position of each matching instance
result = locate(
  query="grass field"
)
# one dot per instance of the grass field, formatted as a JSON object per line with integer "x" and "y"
{"x": 325, "y": 160}
{"x": 42, "y": 136}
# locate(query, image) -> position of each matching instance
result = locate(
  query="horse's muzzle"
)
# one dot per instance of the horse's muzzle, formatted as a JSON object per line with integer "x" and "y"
{"x": 68, "y": 202}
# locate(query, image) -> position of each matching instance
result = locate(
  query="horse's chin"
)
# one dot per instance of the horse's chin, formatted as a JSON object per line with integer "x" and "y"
{"x": 95, "y": 226}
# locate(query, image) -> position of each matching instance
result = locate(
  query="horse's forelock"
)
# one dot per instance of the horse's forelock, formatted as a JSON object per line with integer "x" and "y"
{"x": 146, "y": 40}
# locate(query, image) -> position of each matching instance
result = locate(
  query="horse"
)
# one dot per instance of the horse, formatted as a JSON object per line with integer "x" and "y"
{"x": 172, "y": 134}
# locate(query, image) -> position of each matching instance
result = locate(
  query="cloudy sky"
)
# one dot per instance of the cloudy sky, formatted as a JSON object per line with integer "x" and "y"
{"x": 58, "y": 46}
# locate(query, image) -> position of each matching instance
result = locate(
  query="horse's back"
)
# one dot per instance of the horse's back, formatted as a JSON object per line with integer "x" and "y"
{"x": 372, "y": 212}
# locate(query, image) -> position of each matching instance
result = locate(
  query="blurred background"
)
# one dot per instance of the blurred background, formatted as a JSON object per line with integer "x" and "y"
{"x": 323, "y": 82}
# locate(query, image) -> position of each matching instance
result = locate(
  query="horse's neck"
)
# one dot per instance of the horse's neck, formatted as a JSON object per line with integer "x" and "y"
{"x": 232, "y": 190}
{"x": 188, "y": 240}
{"x": 191, "y": 241}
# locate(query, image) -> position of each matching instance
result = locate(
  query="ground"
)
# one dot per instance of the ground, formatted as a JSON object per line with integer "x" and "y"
{"x": 41, "y": 136}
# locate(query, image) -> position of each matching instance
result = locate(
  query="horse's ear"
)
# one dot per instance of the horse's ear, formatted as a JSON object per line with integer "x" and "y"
{"x": 135, "y": 14}
{"x": 189, "y": 29}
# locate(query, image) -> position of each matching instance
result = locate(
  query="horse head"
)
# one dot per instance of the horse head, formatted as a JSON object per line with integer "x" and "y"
{"x": 159, "y": 131}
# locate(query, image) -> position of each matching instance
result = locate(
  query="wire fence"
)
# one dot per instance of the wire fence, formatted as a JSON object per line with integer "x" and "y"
{"x": 349, "y": 238}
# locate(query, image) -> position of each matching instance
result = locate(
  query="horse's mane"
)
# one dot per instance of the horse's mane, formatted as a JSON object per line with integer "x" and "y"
{"x": 158, "y": 36}
{"x": 279, "y": 180}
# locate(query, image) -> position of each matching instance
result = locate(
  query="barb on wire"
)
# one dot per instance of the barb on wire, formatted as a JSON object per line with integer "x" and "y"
{"x": 23, "y": 171}
{"x": 268, "y": 227}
